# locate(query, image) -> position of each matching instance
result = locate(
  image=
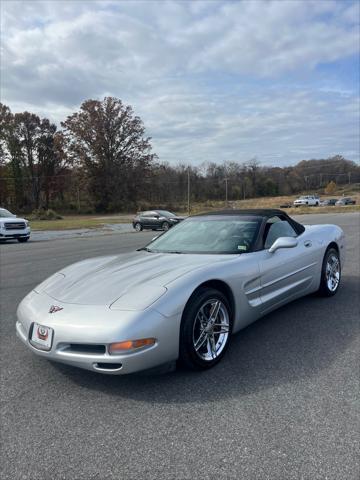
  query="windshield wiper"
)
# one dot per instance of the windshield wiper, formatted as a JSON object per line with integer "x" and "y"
{"x": 146, "y": 249}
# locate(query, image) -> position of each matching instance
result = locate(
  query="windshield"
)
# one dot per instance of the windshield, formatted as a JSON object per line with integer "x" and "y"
{"x": 212, "y": 234}
{"x": 5, "y": 213}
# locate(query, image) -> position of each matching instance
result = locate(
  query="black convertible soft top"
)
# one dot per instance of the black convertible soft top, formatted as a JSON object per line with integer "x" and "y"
{"x": 264, "y": 213}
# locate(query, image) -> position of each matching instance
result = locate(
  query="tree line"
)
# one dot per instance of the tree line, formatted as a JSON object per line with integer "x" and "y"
{"x": 100, "y": 160}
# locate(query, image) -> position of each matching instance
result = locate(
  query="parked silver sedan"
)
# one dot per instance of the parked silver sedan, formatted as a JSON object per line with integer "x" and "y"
{"x": 182, "y": 296}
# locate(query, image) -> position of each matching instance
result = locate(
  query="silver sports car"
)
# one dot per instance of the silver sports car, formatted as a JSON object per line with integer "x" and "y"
{"x": 182, "y": 296}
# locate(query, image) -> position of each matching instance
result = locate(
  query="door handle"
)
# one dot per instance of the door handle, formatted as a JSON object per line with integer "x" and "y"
{"x": 308, "y": 243}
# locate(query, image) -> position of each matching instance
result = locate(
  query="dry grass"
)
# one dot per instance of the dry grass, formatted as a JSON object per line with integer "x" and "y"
{"x": 74, "y": 222}
{"x": 69, "y": 222}
{"x": 275, "y": 202}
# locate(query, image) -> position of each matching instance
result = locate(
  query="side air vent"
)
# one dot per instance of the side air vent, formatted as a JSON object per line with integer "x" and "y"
{"x": 85, "y": 349}
{"x": 107, "y": 367}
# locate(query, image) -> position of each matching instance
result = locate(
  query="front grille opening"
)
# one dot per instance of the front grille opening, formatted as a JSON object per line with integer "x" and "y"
{"x": 86, "y": 348}
{"x": 109, "y": 366}
{"x": 15, "y": 226}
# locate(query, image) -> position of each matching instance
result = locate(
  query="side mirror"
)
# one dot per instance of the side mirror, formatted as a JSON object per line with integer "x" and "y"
{"x": 283, "y": 242}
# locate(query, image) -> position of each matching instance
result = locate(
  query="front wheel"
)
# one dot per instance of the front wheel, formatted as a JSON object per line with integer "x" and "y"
{"x": 165, "y": 226}
{"x": 138, "y": 227}
{"x": 205, "y": 329}
{"x": 23, "y": 240}
{"x": 330, "y": 273}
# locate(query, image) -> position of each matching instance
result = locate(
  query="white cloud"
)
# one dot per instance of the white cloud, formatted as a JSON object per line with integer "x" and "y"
{"x": 207, "y": 77}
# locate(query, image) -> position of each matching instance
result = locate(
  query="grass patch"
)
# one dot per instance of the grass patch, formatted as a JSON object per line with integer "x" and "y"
{"x": 275, "y": 202}
{"x": 75, "y": 222}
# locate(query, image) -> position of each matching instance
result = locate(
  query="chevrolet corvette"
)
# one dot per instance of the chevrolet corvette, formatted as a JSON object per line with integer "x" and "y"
{"x": 182, "y": 296}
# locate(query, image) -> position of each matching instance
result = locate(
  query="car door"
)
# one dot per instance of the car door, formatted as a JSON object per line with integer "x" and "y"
{"x": 288, "y": 272}
{"x": 153, "y": 220}
{"x": 146, "y": 218}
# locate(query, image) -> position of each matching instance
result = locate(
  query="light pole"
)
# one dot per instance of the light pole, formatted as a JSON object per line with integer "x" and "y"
{"x": 226, "y": 191}
{"x": 188, "y": 189}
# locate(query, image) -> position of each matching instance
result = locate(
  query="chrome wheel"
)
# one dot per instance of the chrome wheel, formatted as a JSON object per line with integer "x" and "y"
{"x": 332, "y": 272}
{"x": 138, "y": 227}
{"x": 211, "y": 329}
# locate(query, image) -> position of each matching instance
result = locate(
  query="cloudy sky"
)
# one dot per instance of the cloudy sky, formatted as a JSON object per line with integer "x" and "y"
{"x": 212, "y": 80}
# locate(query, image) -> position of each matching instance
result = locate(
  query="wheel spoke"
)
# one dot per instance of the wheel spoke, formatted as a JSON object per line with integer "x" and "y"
{"x": 214, "y": 312}
{"x": 200, "y": 341}
{"x": 224, "y": 330}
{"x": 209, "y": 348}
{"x": 202, "y": 317}
{"x": 213, "y": 346}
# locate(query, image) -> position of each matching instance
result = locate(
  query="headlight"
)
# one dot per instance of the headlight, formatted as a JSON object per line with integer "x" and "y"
{"x": 138, "y": 298}
{"x": 26, "y": 223}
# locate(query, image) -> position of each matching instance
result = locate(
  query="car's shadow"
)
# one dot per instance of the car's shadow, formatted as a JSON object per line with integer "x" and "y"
{"x": 292, "y": 343}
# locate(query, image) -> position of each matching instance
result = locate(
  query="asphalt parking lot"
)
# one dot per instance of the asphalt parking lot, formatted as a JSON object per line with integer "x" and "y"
{"x": 283, "y": 404}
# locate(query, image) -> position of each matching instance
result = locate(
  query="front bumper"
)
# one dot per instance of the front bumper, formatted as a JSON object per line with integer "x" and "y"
{"x": 98, "y": 325}
{"x": 14, "y": 234}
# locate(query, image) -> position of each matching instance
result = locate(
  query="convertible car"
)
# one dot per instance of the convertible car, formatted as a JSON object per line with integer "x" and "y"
{"x": 183, "y": 295}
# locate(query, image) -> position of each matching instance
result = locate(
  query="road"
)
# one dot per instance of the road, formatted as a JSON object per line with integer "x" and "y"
{"x": 283, "y": 404}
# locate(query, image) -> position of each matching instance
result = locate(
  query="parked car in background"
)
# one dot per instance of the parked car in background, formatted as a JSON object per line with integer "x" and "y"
{"x": 12, "y": 227}
{"x": 330, "y": 202}
{"x": 310, "y": 200}
{"x": 155, "y": 220}
{"x": 346, "y": 201}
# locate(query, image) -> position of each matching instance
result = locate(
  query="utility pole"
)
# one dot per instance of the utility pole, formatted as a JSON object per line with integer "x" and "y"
{"x": 78, "y": 197}
{"x": 306, "y": 182}
{"x": 349, "y": 175}
{"x": 226, "y": 191}
{"x": 188, "y": 189}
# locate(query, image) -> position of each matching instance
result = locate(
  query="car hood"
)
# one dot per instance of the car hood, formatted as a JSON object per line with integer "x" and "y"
{"x": 12, "y": 219}
{"x": 140, "y": 275}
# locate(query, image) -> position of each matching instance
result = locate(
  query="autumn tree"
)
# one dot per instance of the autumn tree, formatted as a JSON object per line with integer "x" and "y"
{"x": 108, "y": 140}
{"x": 330, "y": 188}
{"x": 29, "y": 145}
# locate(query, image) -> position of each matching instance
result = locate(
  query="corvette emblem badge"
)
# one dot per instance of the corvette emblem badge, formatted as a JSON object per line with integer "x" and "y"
{"x": 43, "y": 333}
{"x": 55, "y": 308}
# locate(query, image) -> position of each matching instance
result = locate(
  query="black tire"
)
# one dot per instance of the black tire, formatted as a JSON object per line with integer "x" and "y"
{"x": 325, "y": 289}
{"x": 138, "y": 227}
{"x": 165, "y": 226}
{"x": 188, "y": 356}
{"x": 23, "y": 240}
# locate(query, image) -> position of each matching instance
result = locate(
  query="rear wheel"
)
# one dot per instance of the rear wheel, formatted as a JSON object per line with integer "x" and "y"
{"x": 23, "y": 240}
{"x": 330, "y": 273}
{"x": 138, "y": 227}
{"x": 205, "y": 329}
